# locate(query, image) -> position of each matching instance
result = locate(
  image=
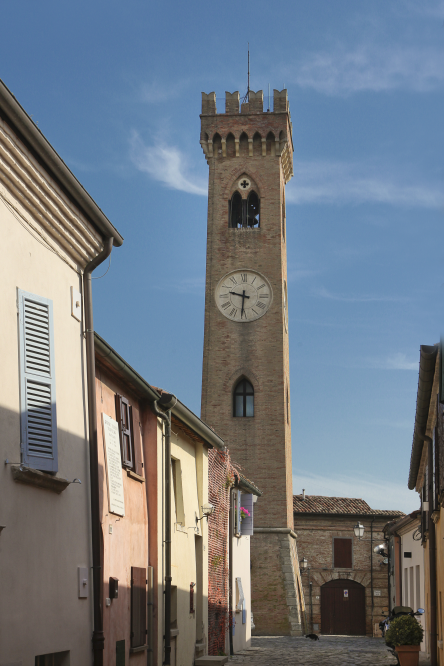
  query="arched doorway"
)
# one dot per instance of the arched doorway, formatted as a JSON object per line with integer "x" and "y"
{"x": 343, "y": 608}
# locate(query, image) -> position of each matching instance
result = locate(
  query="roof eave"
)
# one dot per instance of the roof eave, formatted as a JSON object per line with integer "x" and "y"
{"x": 19, "y": 119}
{"x": 427, "y": 361}
{"x": 144, "y": 390}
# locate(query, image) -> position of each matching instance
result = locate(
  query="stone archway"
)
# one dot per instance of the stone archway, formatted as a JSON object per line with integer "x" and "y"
{"x": 343, "y": 608}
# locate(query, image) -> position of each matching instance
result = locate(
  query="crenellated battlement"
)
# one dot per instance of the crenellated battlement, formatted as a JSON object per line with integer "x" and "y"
{"x": 246, "y": 130}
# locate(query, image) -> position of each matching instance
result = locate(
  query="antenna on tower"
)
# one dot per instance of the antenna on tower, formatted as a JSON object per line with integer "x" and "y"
{"x": 247, "y": 96}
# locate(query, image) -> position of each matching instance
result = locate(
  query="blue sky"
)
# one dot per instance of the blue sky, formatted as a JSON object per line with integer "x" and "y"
{"x": 115, "y": 87}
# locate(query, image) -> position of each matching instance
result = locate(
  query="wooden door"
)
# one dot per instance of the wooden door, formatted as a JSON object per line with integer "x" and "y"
{"x": 343, "y": 608}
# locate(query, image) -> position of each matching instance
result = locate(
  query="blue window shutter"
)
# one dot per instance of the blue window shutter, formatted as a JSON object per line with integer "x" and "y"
{"x": 38, "y": 419}
{"x": 247, "y": 523}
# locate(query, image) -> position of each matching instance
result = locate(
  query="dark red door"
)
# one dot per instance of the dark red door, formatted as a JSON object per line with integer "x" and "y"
{"x": 343, "y": 608}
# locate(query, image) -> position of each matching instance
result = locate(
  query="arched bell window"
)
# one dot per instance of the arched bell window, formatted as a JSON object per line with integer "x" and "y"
{"x": 253, "y": 210}
{"x": 243, "y": 399}
{"x": 236, "y": 211}
{"x": 244, "y": 213}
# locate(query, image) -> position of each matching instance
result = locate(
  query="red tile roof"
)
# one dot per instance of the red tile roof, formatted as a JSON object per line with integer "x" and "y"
{"x": 334, "y": 505}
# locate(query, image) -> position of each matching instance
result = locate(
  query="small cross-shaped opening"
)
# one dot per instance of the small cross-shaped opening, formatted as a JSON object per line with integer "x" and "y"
{"x": 244, "y": 184}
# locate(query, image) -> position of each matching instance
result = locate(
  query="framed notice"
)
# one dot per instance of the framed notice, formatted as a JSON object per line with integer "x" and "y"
{"x": 113, "y": 465}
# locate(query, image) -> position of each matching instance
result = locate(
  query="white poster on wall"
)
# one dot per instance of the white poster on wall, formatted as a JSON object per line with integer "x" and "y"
{"x": 113, "y": 465}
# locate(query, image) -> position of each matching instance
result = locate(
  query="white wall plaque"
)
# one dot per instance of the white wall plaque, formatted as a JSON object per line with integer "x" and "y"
{"x": 113, "y": 466}
{"x": 377, "y": 593}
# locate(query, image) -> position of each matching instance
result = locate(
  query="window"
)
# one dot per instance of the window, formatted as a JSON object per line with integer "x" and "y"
{"x": 244, "y": 213}
{"x": 342, "y": 553}
{"x": 138, "y": 607}
{"x": 127, "y": 417}
{"x": 53, "y": 659}
{"x": 38, "y": 419}
{"x": 176, "y": 473}
{"x": 243, "y": 399}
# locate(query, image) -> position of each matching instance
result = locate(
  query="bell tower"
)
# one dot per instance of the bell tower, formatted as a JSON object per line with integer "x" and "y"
{"x": 245, "y": 379}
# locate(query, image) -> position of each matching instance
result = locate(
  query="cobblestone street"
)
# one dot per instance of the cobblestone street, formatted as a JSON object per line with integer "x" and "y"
{"x": 328, "y": 651}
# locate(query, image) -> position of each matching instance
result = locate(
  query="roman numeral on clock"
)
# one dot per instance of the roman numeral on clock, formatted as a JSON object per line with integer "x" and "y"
{"x": 244, "y": 277}
{"x": 233, "y": 280}
{"x": 225, "y": 305}
{"x": 260, "y": 305}
{"x": 233, "y": 312}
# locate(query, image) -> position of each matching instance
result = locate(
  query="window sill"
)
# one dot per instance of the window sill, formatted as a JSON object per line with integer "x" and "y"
{"x": 33, "y": 477}
{"x": 141, "y": 648}
{"x": 135, "y": 476}
{"x": 174, "y": 633}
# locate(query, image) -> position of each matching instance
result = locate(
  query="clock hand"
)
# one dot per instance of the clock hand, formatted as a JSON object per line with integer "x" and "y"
{"x": 236, "y": 294}
{"x": 243, "y": 299}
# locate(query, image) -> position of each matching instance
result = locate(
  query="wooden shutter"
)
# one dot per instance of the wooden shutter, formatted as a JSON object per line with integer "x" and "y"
{"x": 38, "y": 419}
{"x": 138, "y": 607}
{"x": 123, "y": 417}
{"x": 342, "y": 554}
{"x": 137, "y": 441}
{"x": 247, "y": 523}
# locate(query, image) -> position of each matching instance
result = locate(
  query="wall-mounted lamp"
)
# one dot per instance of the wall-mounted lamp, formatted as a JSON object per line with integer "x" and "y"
{"x": 303, "y": 565}
{"x": 358, "y": 529}
{"x": 207, "y": 510}
{"x": 381, "y": 550}
{"x": 75, "y": 481}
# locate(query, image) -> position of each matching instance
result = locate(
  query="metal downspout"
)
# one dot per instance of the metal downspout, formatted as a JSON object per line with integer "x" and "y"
{"x": 371, "y": 570}
{"x": 98, "y": 637}
{"x": 432, "y": 556}
{"x": 230, "y": 572}
{"x": 167, "y": 401}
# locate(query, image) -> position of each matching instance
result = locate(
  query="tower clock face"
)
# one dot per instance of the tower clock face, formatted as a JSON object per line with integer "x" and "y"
{"x": 243, "y": 295}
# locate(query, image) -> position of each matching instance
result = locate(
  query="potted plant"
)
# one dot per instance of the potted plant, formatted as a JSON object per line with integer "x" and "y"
{"x": 405, "y": 635}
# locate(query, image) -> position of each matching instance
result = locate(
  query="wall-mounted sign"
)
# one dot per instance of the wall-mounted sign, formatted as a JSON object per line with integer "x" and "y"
{"x": 113, "y": 466}
{"x": 345, "y": 594}
{"x": 377, "y": 593}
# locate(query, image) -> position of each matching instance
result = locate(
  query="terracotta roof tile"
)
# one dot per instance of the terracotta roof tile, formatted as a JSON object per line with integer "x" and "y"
{"x": 334, "y": 505}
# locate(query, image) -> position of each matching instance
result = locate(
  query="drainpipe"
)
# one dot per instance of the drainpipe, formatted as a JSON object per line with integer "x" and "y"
{"x": 310, "y": 587}
{"x": 230, "y": 570}
{"x": 98, "y": 637}
{"x": 371, "y": 570}
{"x": 167, "y": 402}
{"x": 432, "y": 556}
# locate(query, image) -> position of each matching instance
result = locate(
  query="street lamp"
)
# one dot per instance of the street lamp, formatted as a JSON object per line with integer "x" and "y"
{"x": 358, "y": 529}
{"x": 304, "y": 563}
{"x": 207, "y": 510}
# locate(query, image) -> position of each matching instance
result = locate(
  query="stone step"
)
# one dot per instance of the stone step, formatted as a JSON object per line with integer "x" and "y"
{"x": 210, "y": 660}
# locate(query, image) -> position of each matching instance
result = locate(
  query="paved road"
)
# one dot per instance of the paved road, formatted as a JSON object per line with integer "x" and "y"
{"x": 327, "y": 651}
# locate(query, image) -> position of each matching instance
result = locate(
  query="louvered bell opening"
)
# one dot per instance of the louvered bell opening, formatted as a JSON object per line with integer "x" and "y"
{"x": 39, "y": 419}
{"x": 37, "y": 336}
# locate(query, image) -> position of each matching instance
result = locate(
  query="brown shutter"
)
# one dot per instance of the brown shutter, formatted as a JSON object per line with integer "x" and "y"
{"x": 138, "y": 607}
{"x": 342, "y": 554}
{"x": 137, "y": 442}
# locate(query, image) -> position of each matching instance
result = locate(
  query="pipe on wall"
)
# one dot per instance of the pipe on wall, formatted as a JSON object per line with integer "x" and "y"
{"x": 98, "y": 637}
{"x": 230, "y": 569}
{"x": 432, "y": 557}
{"x": 167, "y": 402}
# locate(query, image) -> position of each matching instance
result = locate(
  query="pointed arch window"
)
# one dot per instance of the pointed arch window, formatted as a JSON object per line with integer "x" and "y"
{"x": 243, "y": 399}
{"x": 244, "y": 213}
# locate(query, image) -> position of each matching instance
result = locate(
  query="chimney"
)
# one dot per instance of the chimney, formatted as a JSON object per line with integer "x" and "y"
{"x": 303, "y": 494}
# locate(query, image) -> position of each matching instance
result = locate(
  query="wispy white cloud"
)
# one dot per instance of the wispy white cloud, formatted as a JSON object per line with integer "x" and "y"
{"x": 328, "y": 182}
{"x": 396, "y": 361}
{"x": 194, "y": 285}
{"x": 296, "y": 272}
{"x": 166, "y": 164}
{"x": 425, "y": 8}
{"x": 380, "y": 494}
{"x": 363, "y": 298}
{"x": 370, "y": 67}
{"x": 154, "y": 92}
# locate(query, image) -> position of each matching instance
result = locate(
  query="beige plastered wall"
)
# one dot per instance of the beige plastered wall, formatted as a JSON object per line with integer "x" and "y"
{"x": 241, "y": 569}
{"x": 125, "y": 545}
{"x": 47, "y": 536}
{"x": 189, "y": 556}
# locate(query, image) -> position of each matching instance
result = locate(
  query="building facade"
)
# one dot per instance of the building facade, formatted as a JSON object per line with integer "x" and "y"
{"x": 144, "y": 471}
{"x": 407, "y": 565}
{"x": 426, "y": 476}
{"x": 52, "y": 233}
{"x": 346, "y": 584}
{"x": 245, "y": 379}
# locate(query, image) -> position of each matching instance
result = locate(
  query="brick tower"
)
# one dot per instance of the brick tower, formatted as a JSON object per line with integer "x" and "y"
{"x": 245, "y": 380}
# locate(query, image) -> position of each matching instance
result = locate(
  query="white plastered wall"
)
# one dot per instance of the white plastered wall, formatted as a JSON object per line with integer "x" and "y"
{"x": 416, "y": 562}
{"x": 241, "y": 569}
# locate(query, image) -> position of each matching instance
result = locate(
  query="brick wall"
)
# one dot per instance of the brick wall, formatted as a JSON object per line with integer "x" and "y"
{"x": 315, "y": 542}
